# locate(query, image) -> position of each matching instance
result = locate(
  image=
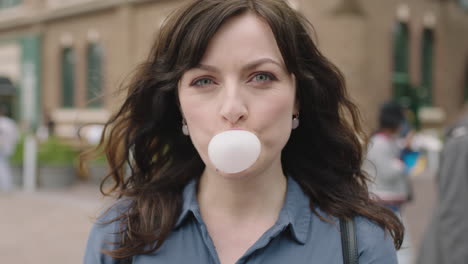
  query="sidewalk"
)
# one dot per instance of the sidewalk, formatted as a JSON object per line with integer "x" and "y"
{"x": 47, "y": 227}
{"x": 418, "y": 213}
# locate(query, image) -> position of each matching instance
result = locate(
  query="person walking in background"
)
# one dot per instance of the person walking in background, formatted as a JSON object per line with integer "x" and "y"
{"x": 383, "y": 163}
{"x": 390, "y": 179}
{"x": 8, "y": 139}
{"x": 446, "y": 239}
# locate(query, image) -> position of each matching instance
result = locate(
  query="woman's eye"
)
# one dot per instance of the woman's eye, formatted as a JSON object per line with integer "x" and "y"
{"x": 202, "y": 82}
{"x": 263, "y": 77}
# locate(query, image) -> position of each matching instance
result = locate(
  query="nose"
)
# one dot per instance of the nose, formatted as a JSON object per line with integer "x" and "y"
{"x": 233, "y": 106}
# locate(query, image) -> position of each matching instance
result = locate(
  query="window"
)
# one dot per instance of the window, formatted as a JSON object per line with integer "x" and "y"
{"x": 402, "y": 90}
{"x": 400, "y": 61}
{"x": 9, "y": 3}
{"x": 463, "y": 4}
{"x": 68, "y": 77}
{"x": 94, "y": 75}
{"x": 427, "y": 63}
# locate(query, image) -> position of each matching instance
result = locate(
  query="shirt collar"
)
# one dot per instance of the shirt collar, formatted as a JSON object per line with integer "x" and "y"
{"x": 189, "y": 202}
{"x": 296, "y": 212}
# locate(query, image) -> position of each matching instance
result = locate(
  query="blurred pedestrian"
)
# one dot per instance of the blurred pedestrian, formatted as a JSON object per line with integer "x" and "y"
{"x": 446, "y": 238}
{"x": 246, "y": 68}
{"x": 49, "y": 122}
{"x": 385, "y": 164}
{"x": 8, "y": 139}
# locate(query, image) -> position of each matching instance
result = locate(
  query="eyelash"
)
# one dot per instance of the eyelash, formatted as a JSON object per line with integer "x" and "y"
{"x": 269, "y": 75}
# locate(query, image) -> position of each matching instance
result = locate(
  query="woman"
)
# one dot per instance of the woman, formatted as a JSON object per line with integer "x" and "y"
{"x": 247, "y": 65}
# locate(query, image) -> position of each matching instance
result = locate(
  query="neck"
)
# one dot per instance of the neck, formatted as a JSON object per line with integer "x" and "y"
{"x": 242, "y": 199}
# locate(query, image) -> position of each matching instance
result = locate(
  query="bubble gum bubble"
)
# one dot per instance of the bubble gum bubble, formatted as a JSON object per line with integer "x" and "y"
{"x": 233, "y": 151}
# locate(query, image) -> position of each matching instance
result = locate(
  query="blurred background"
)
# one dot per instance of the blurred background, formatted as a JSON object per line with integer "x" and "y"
{"x": 62, "y": 60}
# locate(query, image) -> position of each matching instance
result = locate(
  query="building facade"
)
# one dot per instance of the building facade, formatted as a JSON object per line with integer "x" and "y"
{"x": 68, "y": 58}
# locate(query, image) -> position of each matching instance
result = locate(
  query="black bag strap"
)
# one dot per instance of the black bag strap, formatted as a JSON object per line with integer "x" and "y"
{"x": 349, "y": 242}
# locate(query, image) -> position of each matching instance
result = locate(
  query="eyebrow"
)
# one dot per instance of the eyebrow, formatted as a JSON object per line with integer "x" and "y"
{"x": 249, "y": 66}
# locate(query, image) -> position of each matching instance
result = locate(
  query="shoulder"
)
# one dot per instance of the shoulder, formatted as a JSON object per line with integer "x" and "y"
{"x": 459, "y": 136}
{"x": 379, "y": 142}
{"x": 374, "y": 243}
{"x": 455, "y": 148}
{"x": 8, "y": 121}
{"x": 8, "y": 126}
{"x": 104, "y": 234}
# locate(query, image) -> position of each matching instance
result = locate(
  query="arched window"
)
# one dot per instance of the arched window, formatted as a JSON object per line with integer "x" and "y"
{"x": 68, "y": 77}
{"x": 94, "y": 75}
{"x": 401, "y": 87}
{"x": 427, "y": 64}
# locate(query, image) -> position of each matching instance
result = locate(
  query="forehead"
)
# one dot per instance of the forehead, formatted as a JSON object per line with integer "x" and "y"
{"x": 242, "y": 38}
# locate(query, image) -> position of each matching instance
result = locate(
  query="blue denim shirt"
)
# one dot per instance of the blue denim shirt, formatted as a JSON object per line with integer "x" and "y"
{"x": 298, "y": 237}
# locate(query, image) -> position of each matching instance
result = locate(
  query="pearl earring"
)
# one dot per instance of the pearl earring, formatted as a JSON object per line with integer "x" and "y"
{"x": 185, "y": 130}
{"x": 295, "y": 121}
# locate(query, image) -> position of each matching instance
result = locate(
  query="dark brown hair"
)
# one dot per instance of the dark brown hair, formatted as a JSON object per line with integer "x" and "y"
{"x": 324, "y": 154}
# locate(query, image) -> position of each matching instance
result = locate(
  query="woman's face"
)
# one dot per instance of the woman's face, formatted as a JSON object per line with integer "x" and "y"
{"x": 240, "y": 83}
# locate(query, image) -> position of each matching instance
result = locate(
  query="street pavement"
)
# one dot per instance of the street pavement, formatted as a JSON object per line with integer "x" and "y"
{"x": 47, "y": 227}
{"x": 51, "y": 227}
{"x": 418, "y": 213}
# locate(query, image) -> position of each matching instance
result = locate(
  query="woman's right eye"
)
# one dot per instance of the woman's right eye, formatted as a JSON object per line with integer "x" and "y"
{"x": 202, "y": 82}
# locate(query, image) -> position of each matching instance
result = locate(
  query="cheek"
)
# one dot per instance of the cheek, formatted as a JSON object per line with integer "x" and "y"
{"x": 276, "y": 120}
{"x": 193, "y": 108}
{"x": 199, "y": 117}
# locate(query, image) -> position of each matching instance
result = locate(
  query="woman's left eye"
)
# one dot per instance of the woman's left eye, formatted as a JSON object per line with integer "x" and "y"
{"x": 203, "y": 82}
{"x": 263, "y": 77}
